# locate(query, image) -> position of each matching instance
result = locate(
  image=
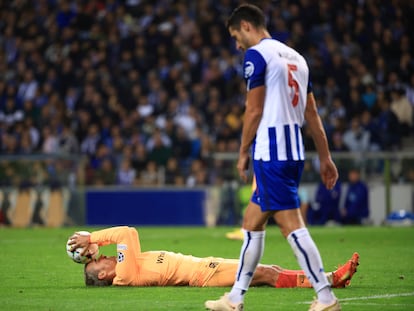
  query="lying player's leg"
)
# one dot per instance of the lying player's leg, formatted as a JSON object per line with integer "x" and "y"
{"x": 226, "y": 272}
{"x": 338, "y": 278}
{"x": 275, "y": 276}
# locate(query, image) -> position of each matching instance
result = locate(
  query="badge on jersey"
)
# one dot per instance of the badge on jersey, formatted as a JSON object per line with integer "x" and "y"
{"x": 248, "y": 69}
{"x": 121, "y": 257}
{"x": 254, "y": 69}
{"x": 122, "y": 246}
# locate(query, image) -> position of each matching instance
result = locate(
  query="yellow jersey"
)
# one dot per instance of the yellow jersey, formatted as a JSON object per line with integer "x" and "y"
{"x": 160, "y": 268}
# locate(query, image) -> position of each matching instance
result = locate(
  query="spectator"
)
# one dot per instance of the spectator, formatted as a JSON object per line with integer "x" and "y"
{"x": 90, "y": 141}
{"x": 102, "y": 153}
{"x": 126, "y": 174}
{"x": 10, "y": 144}
{"x": 325, "y": 208}
{"x": 31, "y": 111}
{"x": 356, "y": 206}
{"x": 150, "y": 175}
{"x": 403, "y": 110}
{"x": 105, "y": 175}
{"x": 181, "y": 145}
{"x": 388, "y": 126}
{"x": 27, "y": 89}
{"x": 354, "y": 104}
{"x": 50, "y": 143}
{"x": 11, "y": 113}
{"x": 337, "y": 112}
{"x": 65, "y": 15}
{"x": 371, "y": 125}
{"x": 356, "y": 138}
{"x": 159, "y": 148}
{"x": 67, "y": 141}
{"x": 139, "y": 158}
{"x": 54, "y": 64}
{"x": 25, "y": 143}
{"x": 34, "y": 133}
{"x": 369, "y": 97}
{"x": 171, "y": 171}
{"x": 198, "y": 174}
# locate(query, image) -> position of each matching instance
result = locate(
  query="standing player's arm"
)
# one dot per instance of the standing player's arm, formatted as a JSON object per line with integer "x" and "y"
{"x": 329, "y": 173}
{"x": 252, "y": 117}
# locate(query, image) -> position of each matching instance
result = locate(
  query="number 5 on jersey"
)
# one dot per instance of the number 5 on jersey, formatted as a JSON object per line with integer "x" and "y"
{"x": 293, "y": 84}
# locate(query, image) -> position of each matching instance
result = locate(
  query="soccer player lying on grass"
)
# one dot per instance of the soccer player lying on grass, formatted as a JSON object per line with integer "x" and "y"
{"x": 162, "y": 268}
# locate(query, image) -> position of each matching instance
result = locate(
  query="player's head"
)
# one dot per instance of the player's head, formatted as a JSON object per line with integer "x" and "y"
{"x": 100, "y": 272}
{"x": 244, "y": 22}
{"x": 246, "y": 12}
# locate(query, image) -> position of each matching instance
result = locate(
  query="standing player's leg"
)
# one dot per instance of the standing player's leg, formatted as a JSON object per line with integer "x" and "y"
{"x": 308, "y": 256}
{"x": 251, "y": 252}
{"x": 278, "y": 184}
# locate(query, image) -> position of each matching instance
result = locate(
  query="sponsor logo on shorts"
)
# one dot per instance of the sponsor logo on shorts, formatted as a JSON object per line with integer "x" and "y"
{"x": 213, "y": 264}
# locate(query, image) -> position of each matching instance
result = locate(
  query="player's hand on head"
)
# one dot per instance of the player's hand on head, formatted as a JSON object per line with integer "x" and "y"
{"x": 80, "y": 249}
{"x": 92, "y": 250}
{"x": 79, "y": 241}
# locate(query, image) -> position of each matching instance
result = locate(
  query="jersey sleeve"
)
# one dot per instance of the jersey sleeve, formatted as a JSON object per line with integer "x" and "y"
{"x": 128, "y": 248}
{"x": 254, "y": 69}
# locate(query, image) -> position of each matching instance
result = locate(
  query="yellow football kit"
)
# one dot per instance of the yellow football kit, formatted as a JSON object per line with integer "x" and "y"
{"x": 161, "y": 268}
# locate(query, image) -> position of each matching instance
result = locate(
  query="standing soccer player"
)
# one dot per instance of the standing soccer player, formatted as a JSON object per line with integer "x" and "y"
{"x": 279, "y": 100}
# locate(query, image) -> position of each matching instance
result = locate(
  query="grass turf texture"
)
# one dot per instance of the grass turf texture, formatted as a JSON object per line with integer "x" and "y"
{"x": 36, "y": 273}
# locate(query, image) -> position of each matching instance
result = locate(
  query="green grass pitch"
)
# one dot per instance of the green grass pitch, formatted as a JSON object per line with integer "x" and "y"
{"x": 36, "y": 273}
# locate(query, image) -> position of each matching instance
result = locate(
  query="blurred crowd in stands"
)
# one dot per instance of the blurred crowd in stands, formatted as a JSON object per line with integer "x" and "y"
{"x": 137, "y": 87}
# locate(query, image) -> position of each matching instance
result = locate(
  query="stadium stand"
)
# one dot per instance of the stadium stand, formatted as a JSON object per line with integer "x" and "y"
{"x": 126, "y": 81}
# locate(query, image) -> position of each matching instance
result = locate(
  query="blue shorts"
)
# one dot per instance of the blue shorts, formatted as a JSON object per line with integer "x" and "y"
{"x": 277, "y": 184}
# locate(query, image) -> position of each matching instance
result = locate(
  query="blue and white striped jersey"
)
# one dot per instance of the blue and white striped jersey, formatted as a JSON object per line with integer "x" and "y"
{"x": 285, "y": 74}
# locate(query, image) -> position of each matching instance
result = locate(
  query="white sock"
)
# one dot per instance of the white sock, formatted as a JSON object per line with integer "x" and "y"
{"x": 250, "y": 255}
{"x": 310, "y": 261}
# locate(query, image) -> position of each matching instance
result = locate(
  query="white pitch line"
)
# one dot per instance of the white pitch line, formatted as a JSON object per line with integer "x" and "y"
{"x": 370, "y": 297}
{"x": 379, "y": 304}
{"x": 378, "y": 296}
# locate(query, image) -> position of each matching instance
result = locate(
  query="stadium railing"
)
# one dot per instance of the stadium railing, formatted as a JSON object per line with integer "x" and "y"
{"x": 390, "y": 176}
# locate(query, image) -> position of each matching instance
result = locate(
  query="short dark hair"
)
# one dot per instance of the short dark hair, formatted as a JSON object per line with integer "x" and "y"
{"x": 247, "y": 12}
{"x": 91, "y": 278}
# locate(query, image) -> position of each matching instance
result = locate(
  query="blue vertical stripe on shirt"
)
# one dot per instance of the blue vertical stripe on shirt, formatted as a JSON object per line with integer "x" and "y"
{"x": 272, "y": 143}
{"x": 297, "y": 140}
{"x": 288, "y": 143}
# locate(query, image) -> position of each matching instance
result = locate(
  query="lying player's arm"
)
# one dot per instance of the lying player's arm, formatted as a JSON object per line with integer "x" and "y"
{"x": 113, "y": 235}
{"x": 128, "y": 249}
{"x": 116, "y": 235}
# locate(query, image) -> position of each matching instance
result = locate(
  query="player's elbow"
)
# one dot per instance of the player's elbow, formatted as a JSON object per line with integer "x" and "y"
{"x": 257, "y": 115}
{"x": 311, "y": 114}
